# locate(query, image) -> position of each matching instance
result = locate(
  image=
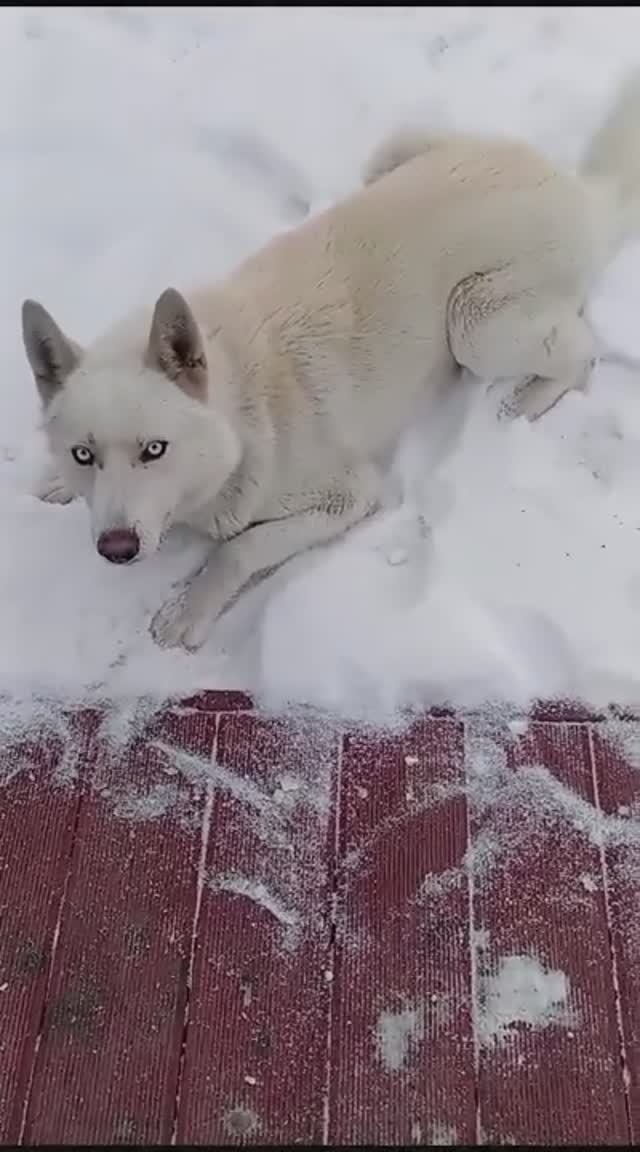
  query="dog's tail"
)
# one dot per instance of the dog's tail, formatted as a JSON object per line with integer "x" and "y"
{"x": 612, "y": 160}
{"x": 397, "y": 149}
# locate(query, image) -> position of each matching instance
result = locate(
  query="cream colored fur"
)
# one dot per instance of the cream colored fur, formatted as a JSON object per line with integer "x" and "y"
{"x": 279, "y": 390}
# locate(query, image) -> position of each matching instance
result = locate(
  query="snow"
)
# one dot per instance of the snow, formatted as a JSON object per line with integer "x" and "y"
{"x": 147, "y": 147}
{"x": 396, "y": 1032}
{"x": 522, "y": 991}
{"x": 260, "y": 895}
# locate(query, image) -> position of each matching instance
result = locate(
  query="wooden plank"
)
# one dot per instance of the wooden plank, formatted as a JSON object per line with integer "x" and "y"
{"x": 219, "y": 701}
{"x": 256, "y": 1052}
{"x": 549, "y": 1059}
{"x": 108, "y": 1064}
{"x": 402, "y": 1045}
{"x": 38, "y": 813}
{"x": 616, "y": 749}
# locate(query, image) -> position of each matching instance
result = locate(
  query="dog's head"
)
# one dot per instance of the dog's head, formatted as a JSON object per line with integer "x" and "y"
{"x": 131, "y": 423}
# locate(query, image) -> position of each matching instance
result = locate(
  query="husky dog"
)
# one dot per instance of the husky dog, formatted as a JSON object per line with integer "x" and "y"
{"x": 257, "y": 409}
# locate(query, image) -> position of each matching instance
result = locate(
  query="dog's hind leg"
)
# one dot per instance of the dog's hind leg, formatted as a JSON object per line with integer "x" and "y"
{"x": 547, "y": 347}
{"x": 257, "y": 550}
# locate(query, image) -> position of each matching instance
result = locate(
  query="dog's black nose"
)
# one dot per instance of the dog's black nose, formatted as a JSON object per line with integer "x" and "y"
{"x": 120, "y": 545}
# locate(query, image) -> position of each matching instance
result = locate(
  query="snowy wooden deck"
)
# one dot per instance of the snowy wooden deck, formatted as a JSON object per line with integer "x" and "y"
{"x": 236, "y": 930}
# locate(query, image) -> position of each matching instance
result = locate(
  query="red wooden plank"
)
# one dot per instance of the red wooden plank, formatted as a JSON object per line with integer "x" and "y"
{"x": 255, "y": 1059}
{"x": 217, "y": 701}
{"x": 108, "y": 1064}
{"x": 617, "y": 759}
{"x": 549, "y": 1058}
{"x": 563, "y": 712}
{"x": 402, "y": 1044}
{"x": 38, "y": 813}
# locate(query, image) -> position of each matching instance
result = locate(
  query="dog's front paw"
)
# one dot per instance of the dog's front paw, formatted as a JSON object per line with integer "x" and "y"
{"x": 184, "y": 620}
{"x": 51, "y": 489}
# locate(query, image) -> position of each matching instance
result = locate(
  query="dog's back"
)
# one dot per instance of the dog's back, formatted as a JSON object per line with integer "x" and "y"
{"x": 365, "y": 285}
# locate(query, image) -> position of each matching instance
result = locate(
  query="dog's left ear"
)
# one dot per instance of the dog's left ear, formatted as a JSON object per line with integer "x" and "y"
{"x": 175, "y": 344}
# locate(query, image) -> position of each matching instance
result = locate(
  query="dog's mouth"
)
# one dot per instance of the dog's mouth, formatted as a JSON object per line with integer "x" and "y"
{"x": 122, "y": 560}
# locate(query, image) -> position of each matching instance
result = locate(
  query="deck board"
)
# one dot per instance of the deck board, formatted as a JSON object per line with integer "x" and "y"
{"x": 617, "y": 765}
{"x": 402, "y": 1042}
{"x": 108, "y": 1062}
{"x": 542, "y": 940}
{"x": 37, "y": 833}
{"x": 256, "y": 1054}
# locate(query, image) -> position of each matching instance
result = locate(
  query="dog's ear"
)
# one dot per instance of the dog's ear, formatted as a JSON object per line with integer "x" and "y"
{"x": 175, "y": 345}
{"x": 51, "y": 354}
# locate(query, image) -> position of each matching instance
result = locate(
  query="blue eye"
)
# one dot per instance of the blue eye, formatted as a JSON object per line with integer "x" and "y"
{"x": 153, "y": 450}
{"x": 82, "y": 455}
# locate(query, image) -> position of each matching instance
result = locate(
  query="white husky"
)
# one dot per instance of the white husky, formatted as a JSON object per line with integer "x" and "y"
{"x": 257, "y": 411}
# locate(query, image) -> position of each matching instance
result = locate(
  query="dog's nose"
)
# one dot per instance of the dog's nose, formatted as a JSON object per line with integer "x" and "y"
{"x": 119, "y": 545}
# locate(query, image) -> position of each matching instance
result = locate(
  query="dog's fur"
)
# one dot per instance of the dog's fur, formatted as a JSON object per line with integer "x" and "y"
{"x": 279, "y": 389}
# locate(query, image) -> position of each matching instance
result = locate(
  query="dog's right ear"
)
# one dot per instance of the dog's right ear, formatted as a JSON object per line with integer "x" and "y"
{"x": 51, "y": 354}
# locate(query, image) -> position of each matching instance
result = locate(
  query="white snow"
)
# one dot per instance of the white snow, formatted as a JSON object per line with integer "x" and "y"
{"x": 147, "y": 147}
{"x": 521, "y": 991}
{"x": 395, "y": 1034}
{"x": 257, "y": 892}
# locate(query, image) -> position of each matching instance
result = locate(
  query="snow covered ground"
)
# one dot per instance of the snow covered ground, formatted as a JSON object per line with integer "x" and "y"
{"x": 147, "y": 147}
